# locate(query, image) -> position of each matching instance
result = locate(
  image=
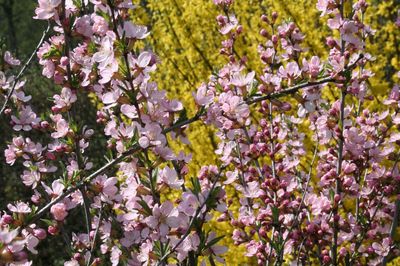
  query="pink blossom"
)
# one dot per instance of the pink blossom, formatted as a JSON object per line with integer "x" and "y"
{"x": 291, "y": 72}
{"x": 227, "y": 24}
{"x": 107, "y": 187}
{"x": 313, "y": 67}
{"x": 6, "y": 236}
{"x": 191, "y": 242}
{"x": 240, "y": 80}
{"x": 169, "y": 177}
{"x": 62, "y": 127}
{"x": 129, "y": 110}
{"x": 100, "y": 25}
{"x": 57, "y": 188}
{"x": 47, "y": 9}
{"x": 19, "y": 207}
{"x": 26, "y": 120}
{"x": 30, "y": 178}
{"x": 10, "y": 59}
{"x": 383, "y": 248}
{"x": 59, "y": 211}
{"x": 319, "y": 205}
{"x": 164, "y": 217}
{"x": 142, "y": 66}
{"x": 326, "y": 6}
{"x": 189, "y": 204}
{"x": 83, "y": 26}
{"x": 64, "y": 100}
{"x": 105, "y": 57}
{"x": 234, "y": 107}
{"x": 133, "y": 31}
{"x": 151, "y": 136}
{"x": 348, "y": 31}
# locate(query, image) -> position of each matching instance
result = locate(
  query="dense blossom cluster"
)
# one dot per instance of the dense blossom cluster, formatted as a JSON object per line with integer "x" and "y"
{"x": 315, "y": 179}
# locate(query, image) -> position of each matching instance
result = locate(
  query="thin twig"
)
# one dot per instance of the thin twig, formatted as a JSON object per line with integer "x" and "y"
{"x": 191, "y": 221}
{"x": 93, "y": 243}
{"x": 24, "y": 68}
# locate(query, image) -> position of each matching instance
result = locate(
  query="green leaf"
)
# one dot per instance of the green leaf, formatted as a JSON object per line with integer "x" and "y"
{"x": 214, "y": 241}
{"x": 275, "y": 214}
{"x": 47, "y": 222}
{"x": 53, "y": 52}
{"x": 145, "y": 207}
{"x": 196, "y": 185}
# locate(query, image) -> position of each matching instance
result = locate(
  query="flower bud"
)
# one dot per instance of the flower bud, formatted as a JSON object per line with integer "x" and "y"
{"x": 40, "y": 233}
{"x": 274, "y": 16}
{"x": 264, "y": 33}
{"x": 7, "y": 219}
{"x": 53, "y": 230}
{"x": 264, "y": 18}
{"x": 21, "y": 256}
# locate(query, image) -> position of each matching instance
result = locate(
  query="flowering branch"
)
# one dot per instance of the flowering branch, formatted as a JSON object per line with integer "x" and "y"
{"x": 23, "y": 69}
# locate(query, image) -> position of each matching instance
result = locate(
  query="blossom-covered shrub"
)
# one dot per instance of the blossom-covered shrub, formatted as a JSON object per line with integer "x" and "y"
{"x": 313, "y": 168}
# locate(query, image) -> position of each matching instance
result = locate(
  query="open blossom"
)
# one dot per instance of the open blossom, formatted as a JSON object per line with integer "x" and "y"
{"x": 30, "y": 178}
{"x": 203, "y": 96}
{"x": 26, "y": 120}
{"x": 319, "y": 204}
{"x": 241, "y": 80}
{"x": 382, "y": 249}
{"x": 107, "y": 187}
{"x": 291, "y": 72}
{"x": 142, "y": 66}
{"x": 189, "y": 205}
{"x": 152, "y": 136}
{"x": 133, "y": 31}
{"x": 234, "y": 107}
{"x": 19, "y": 207}
{"x": 10, "y": 59}
{"x": 62, "y": 127}
{"x": 100, "y": 25}
{"x": 348, "y": 31}
{"x": 313, "y": 67}
{"x": 165, "y": 216}
{"x": 190, "y": 243}
{"x": 105, "y": 58}
{"x": 59, "y": 211}
{"x": 56, "y": 189}
{"x": 47, "y": 9}
{"x": 83, "y": 26}
{"x": 326, "y": 6}
{"x": 227, "y": 24}
{"x": 64, "y": 100}
{"x": 169, "y": 177}
{"x": 129, "y": 110}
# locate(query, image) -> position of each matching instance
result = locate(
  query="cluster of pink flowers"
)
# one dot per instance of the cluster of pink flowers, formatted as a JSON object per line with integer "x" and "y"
{"x": 288, "y": 205}
{"x": 296, "y": 160}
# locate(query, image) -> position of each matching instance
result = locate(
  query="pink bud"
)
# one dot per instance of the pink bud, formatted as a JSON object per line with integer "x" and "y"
{"x": 44, "y": 124}
{"x": 239, "y": 29}
{"x": 77, "y": 256}
{"x": 40, "y": 233}
{"x": 274, "y": 16}
{"x": 7, "y": 219}
{"x": 20, "y": 256}
{"x": 264, "y": 33}
{"x": 53, "y": 230}
{"x": 326, "y": 259}
{"x": 35, "y": 199}
{"x": 264, "y": 18}
{"x": 7, "y": 111}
